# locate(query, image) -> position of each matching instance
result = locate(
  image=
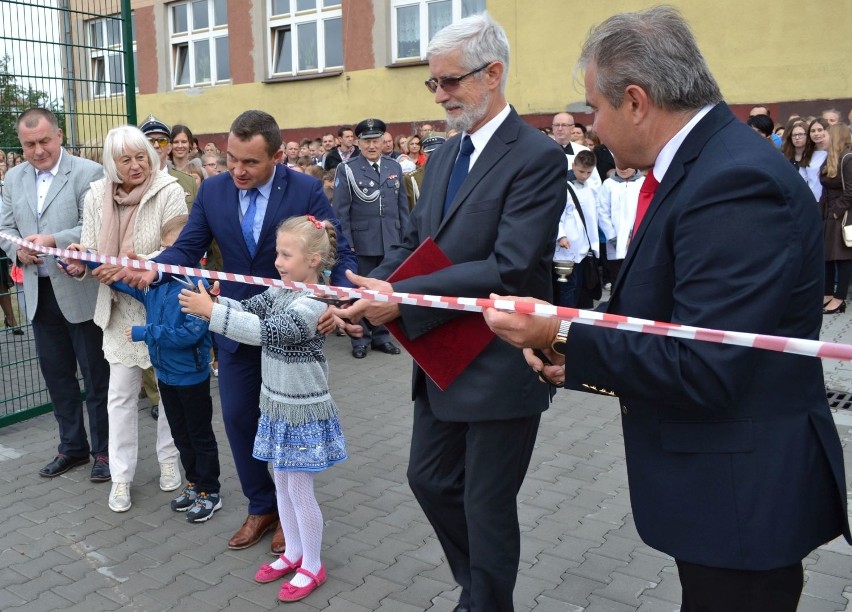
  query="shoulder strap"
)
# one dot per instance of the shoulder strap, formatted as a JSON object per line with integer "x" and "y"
{"x": 840, "y": 170}
{"x": 582, "y": 216}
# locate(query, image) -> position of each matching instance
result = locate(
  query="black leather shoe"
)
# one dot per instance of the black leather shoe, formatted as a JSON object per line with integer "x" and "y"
{"x": 155, "y": 412}
{"x": 359, "y": 352}
{"x": 100, "y": 471}
{"x": 61, "y": 464}
{"x": 388, "y": 347}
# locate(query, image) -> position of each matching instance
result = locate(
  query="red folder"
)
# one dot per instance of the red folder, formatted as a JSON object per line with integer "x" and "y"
{"x": 444, "y": 352}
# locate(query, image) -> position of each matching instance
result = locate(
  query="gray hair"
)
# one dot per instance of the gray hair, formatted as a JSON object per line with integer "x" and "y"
{"x": 122, "y": 141}
{"x": 480, "y": 39}
{"x": 654, "y": 49}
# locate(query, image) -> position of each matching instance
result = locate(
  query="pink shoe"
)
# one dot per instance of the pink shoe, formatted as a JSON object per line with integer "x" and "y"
{"x": 290, "y": 593}
{"x": 267, "y": 573}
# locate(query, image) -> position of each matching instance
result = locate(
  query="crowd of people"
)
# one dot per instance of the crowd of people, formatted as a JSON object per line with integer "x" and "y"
{"x": 644, "y": 208}
{"x": 815, "y": 146}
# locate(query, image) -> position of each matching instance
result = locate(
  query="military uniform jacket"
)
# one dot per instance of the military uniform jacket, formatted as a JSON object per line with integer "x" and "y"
{"x": 372, "y": 207}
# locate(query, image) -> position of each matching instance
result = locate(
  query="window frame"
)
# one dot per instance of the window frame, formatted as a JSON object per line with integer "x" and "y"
{"x": 182, "y": 46}
{"x": 101, "y": 55}
{"x": 290, "y": 22}
{"x": 395, "y": 5}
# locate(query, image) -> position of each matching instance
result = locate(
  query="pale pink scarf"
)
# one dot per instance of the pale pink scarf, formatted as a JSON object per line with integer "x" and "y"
{"x": 118, "y": 218}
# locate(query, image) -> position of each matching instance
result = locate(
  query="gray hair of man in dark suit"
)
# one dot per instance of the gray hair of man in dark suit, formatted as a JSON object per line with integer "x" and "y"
{"x": 656, "y": 50}
{"x": 479, "y": 38}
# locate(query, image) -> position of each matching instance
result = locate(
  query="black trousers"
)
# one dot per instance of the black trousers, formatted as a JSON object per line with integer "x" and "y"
{"x": 466, "y": 477}
{"x": 714, "y": 589}
{"x": 837, "y": 277}
{"x": 375, "y": 334}
{"x": 61, "y": 346}
{"x": 189, "y": 410}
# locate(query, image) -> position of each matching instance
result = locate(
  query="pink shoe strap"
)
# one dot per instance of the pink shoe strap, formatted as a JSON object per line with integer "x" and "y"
{"x": 310, "y": 575}
{"x": 290, "y": 564}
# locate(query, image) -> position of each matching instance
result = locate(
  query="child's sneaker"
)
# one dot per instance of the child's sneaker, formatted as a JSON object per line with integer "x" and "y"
{"x": 186, "y": 499}
{"x": 204, "y": 507}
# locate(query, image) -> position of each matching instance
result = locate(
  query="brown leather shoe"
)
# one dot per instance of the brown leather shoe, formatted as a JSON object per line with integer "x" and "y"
{"x": 252, "y": 530}
{"x": 278, "y": 543}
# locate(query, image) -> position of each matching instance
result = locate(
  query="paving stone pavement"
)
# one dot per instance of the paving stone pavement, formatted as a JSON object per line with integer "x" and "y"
{"x": 61, "y": 548}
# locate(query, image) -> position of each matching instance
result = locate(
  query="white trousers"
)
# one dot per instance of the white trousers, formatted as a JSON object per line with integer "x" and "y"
{"x": 123, "y": 409}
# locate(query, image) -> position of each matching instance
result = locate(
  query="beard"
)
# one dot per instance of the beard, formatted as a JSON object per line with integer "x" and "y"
{"x": 470, "y": 114}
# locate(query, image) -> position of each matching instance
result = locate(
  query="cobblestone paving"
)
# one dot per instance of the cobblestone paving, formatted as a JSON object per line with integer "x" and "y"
{"x": 61, "y": 548}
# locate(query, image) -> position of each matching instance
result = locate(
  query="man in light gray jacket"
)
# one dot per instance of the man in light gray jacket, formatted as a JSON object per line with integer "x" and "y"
{"x": 43, "y": 203}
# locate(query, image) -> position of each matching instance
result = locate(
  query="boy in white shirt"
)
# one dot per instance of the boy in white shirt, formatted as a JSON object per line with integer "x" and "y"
{"x": 617, "y": 201}
{"x": 575, "y": 239}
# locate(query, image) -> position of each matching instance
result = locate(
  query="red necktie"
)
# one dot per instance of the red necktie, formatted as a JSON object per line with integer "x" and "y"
{"x": 646, "y": 194}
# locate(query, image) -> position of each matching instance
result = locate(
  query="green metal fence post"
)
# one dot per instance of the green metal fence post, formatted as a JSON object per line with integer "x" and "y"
{"x": 129, "y": 69}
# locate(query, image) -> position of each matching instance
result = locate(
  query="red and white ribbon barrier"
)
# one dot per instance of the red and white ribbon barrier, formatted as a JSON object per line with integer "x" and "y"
{"x": 797, "y": 346}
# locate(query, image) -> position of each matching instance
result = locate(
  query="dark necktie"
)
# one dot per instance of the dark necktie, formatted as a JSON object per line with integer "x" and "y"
{"x": 376, "y": 168}
{"x": 646, "y": 194}
{"x": 460, "y": 170}
{"x": 248, "y": 221}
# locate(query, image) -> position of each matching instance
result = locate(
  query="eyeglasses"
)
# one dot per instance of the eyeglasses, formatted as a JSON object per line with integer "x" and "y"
{"x": 450, "y": 84}
{"x": 802, "y": 135}
{"x": 210, "y": 165}
{"x": 162, "y": 141}
{"x": 562, "y": 125}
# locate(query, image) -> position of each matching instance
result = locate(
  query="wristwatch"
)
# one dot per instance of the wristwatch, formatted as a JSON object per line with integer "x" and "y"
{"x": 558, "y": 344}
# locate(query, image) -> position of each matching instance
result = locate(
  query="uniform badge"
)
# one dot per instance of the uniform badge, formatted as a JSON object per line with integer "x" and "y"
{"x": 372, "y": 184}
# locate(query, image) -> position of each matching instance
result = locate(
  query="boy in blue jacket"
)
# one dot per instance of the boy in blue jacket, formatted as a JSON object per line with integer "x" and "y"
{"x": 179, "y": 345}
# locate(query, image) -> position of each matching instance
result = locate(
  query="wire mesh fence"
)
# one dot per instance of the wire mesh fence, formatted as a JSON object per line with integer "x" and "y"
{"x": 77, "y": 59}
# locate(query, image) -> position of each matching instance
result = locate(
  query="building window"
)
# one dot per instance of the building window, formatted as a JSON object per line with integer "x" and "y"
{"x": 415, "y": 22}
{"x": 199, "y": 42}
{"x": 106, "y": 54}
{"x": 306, "y": 36}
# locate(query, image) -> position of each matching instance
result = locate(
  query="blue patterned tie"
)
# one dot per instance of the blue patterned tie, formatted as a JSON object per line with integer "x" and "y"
{"x": 248, "y": 221}
{"x": 460, "y": 170}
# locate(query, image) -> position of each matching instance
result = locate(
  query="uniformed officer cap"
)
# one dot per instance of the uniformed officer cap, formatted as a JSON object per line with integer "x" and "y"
{"x": 370, "y": 128}
{"x": 152, "y": 125}
{"x": 432, "y": 143}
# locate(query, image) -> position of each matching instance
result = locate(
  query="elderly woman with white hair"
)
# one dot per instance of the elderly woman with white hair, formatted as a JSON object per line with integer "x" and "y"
{"x": 124, "y": 212}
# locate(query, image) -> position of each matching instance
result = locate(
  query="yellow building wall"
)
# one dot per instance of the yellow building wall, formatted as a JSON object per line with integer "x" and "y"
{"x": 759, "y": 52}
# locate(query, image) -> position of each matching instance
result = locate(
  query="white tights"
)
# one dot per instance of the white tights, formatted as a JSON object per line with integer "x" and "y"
{"x": 301, "y": 521}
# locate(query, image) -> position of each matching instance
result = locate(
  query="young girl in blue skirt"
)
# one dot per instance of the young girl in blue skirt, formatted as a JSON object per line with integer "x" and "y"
{"x": 299, "y": 429}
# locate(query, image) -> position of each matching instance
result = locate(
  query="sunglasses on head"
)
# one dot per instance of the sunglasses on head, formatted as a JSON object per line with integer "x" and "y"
{"x": 450, "y": 84}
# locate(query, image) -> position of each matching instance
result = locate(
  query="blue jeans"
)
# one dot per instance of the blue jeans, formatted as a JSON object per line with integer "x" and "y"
{"x": 568, "y": 293}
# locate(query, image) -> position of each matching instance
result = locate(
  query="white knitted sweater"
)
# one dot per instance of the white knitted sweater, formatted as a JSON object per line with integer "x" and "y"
{"x": 115, "y": 311}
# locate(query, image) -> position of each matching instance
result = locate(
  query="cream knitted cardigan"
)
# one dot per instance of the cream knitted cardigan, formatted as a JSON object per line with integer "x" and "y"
{"x": 115, "y": 311}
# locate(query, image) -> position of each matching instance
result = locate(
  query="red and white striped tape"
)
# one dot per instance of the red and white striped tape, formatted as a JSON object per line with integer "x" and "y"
{"x": 797, "y": 346}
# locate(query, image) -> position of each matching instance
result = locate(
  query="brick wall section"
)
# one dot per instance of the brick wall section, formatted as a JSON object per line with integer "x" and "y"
{"x": 241, "y": 40}
{"x": 146, "y": 48}
{"x": 358, "y": 19}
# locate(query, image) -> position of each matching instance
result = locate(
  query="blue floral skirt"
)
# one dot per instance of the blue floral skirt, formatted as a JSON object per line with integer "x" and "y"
{"x": 311, "y": 447}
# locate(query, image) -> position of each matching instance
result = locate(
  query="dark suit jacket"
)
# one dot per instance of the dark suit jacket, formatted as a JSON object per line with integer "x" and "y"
{"x": 733, "y": 458}
{"x": 500, "y": 233}
{"x": 216, "y": 215}
{"x": 333, "y": 159}
{"x": 368, "y": 231}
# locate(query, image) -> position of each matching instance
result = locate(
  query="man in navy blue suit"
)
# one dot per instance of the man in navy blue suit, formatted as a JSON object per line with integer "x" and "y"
{"x": 734, "y": 463}
{"x": 256, "y": 185}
